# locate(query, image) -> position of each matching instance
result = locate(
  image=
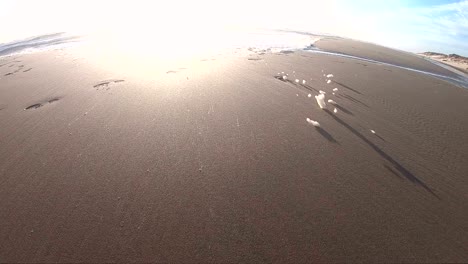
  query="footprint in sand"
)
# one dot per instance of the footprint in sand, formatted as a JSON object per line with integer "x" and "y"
{"x": 41, "y": 104}
{"x": 34, "y": 106}
{"x": 176, "y": 71}
{"x": 105, "y": 84}
{"x": 27, "y": 70}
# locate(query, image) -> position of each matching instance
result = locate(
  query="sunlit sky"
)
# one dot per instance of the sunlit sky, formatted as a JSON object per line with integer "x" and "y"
{"x": 412, "y": 25}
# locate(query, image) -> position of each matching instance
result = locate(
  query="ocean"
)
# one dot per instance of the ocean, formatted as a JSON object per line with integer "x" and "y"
{"x": 258, "y": 40}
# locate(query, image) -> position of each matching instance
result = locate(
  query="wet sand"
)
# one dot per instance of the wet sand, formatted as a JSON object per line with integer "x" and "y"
{"x": 381, "y": 54}
{"x": 214, "y": 161}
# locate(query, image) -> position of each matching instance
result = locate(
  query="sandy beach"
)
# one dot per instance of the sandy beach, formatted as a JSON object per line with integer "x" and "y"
{"x": 212, "y": 159}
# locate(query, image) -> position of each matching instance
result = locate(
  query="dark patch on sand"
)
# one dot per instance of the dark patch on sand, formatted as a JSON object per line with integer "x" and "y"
{"x": 381, "y": 138}
{"x": 307, "y": 87}
{"x": 396, "y": 165}
{"x": 27, "y": 70}
{"x": 347, "y": 87}
{"x": 34, "y": 106}
{"x": 349, "y": 97}
{"x": 278, "y": 77}
{"x": 326, "y": 135}
{"x": 254, "y": 59}
{"x": 106, "y": 83}
{"x": 341, "y": 108}
{"x": 41, "y": 104}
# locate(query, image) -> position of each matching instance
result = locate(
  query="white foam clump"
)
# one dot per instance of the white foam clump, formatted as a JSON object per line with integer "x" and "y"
{"x": 335, "y": 110}
{"x": 335, "y": 89}
{"x": 372, "y": 131}
{"x": 330, "y": 76}
{"x": 297, "y": 80}
{"x": 303, "y": 81}
{"x": 309, "y": 95}
{"x": 333, "y": 93}
{"x": 312, "y": 122}
{"x": 321, "y": 101}
{"x": 285, "y": 77}
{"x": 331, "y": 101}
{"x": 329, "y": 81}
{"x": 322, "y": 92}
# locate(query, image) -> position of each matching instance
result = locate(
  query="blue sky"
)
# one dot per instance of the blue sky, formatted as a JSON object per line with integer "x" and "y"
{"x": 412, "y": 25}
{"x": 418, "y": 25}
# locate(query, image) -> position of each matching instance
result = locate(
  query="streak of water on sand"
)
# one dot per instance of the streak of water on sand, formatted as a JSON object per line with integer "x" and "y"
{"x": 461, "y": 81}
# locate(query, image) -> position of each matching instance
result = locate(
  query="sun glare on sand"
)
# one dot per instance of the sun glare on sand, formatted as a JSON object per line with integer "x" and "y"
{"x": 169, "y": 29}
{"x": 146, "y": 34}
{"x": 177, "y": 27}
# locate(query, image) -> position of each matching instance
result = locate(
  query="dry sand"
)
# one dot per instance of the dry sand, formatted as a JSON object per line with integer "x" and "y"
{"x": 216, "y": 162}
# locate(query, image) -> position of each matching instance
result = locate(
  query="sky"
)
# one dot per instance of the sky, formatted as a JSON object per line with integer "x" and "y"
{"x": 411, "y": 25}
